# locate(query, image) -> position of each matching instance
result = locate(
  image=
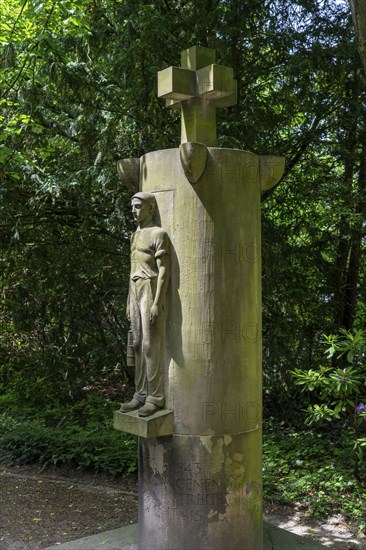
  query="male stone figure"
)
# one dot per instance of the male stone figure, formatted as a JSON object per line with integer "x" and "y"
{"x": 145, "y": 305}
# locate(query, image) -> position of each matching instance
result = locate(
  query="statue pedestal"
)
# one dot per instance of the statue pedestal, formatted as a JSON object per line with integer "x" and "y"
{"x": 156, "y": 425}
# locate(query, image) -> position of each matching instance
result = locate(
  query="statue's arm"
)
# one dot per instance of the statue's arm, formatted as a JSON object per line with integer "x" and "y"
{"x": 163, "y": 265}
{"x": 128, "y": 314}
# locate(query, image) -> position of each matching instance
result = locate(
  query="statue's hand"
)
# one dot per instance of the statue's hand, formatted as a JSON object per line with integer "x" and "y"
{"x": 128, "y": 315}
{"x": 154, "y": 312}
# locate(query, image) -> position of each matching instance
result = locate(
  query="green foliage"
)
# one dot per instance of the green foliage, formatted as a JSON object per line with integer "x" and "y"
{"x": 88, "y": 412}
{"x": 95, "y": 446}
{"x": 310, "y": 469}
{"x": 353, "y": 344}
{"x": 339, "y": 387}
{"x": 341, "y": 390}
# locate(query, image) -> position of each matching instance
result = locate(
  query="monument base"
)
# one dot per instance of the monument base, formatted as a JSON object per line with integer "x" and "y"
{"x": 125, "y": 538}
{"x": 200, "y": 492}
{"x": 156, "y": 425}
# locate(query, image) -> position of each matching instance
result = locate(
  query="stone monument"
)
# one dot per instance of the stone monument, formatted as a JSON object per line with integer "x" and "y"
{"x": 200, "y": 465}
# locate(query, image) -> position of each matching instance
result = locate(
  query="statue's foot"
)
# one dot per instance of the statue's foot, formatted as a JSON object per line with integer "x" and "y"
{"x": 148, "y": 409}
{"x": 133, "y": 405}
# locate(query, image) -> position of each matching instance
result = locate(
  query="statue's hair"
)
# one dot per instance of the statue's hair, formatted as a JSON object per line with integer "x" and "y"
{"x": 148, "y": 197}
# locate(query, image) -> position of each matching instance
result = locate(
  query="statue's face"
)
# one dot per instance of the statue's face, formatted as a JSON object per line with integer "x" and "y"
{"x": 141, "y": 210}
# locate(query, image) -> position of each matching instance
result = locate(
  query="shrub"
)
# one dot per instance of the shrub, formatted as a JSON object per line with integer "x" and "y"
{"x": 340, "y": 389}
{"x": 101, "y": 448}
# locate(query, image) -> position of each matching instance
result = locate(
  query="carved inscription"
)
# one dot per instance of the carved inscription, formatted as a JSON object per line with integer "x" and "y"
{"x": 197, "y": 496}
{"x": 194, "y": 493}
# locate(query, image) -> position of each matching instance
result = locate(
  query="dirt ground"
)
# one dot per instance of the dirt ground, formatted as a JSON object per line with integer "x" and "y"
{"x": 41, "y": 508}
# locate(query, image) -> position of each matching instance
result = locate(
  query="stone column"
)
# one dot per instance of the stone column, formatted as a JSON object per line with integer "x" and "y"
{"x": 201, "y": 487}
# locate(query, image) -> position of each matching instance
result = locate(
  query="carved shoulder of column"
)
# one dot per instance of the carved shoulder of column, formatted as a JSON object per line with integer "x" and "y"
{"x": 129, "y": 172}
{"x": 271, "y": 170}
{"x": 193, "y": 157}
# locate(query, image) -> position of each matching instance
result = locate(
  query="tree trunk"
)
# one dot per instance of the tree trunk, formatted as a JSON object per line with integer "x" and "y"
{"x": 347, "y": 261}
{"x": 344, "y": 243}
{"x": 356, "y": 247}
{"x": 358, "y": 8}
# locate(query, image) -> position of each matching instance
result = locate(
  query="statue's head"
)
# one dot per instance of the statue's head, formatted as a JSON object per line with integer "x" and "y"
{"x": 143, "y": 207}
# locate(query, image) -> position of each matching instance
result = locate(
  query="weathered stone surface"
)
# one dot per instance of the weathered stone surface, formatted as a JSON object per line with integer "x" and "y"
{"x": 213, "y": 357}
{"x": 125, "y": 538}
{"x": 200, "y": 492}
{"x": 214, "y": 315}
{"x": 271, "y": 170}
{"x": 158, "y": 425}
{"x": 145, "y": 309}
{"x": 129, "y": 172}
{"x": 199, "y": 87}
{"x": 215, "y": 81}
{"x": 197, "y": 57}
{"x": 176, "y": 83}
{"x": 193, "y": 157}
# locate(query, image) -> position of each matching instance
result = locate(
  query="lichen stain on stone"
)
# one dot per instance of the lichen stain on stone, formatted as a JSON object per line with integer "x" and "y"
{"x": 158, "y": 462}
{"x": 206, "y": 442}
{"x": 227, "y": 440}
{"x": 217, "y": 456}
{"x": 238, "y": 457}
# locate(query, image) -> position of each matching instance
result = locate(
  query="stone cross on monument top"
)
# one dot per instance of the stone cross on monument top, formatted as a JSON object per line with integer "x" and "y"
{"x": 198, "y": 87}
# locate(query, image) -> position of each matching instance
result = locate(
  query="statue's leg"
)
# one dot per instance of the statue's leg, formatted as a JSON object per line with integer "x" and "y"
{"x": 137, "y": 335}
{"x": 151, "y": 346}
